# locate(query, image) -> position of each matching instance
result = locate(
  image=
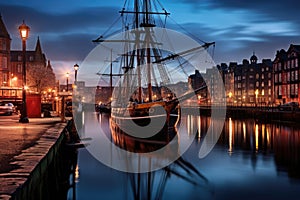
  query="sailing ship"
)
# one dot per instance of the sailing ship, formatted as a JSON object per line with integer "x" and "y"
{"x": 142, "y": 94}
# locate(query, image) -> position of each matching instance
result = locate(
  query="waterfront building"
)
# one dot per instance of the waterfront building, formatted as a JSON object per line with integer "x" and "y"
{"x": 286, "y": 75}
{"x": 4, "y": 54}
{"x": 39, "y": 72}
{"x": 196, "y": 81}
{"x": 253, "y": 83}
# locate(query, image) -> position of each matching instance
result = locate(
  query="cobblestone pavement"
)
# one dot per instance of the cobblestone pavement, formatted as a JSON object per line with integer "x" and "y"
{"x": 15, "y": 137}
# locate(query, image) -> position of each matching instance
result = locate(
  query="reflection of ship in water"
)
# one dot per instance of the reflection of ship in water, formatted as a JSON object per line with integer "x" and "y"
{"x": 143, "y": 145}
{"x": 142, "y": 93}
{"x": 151, "y": 185}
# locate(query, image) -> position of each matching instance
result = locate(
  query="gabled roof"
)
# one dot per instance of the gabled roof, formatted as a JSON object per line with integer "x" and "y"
{"x": 37, "y": 54}
{"x": 295, "y": 48}
{"x": 3, "y": 30}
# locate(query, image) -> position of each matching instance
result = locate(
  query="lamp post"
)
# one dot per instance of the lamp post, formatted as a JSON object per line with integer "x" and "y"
{"x": 67, "y": 75}
{"x": 76, "y": 67}
{"x": 24, "y": 32}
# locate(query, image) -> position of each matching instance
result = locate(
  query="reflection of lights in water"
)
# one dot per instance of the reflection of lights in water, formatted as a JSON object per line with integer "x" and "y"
{"x": 100, "y": 118}
{"x": 83, "y": 114}
{"x": 190, "y": 124}
{"x": 244, "y": 132}
{"x": 230, "y": 137}
{"x": 256, "y": 137}
{"x": 268, "y": 136}
{"x": 76, "y": 173}
{"x": 263, "y": 132}
{"x": 199, "y": 127}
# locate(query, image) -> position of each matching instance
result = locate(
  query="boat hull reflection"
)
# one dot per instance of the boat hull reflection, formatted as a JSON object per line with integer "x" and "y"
{"x": 130, "y": 143}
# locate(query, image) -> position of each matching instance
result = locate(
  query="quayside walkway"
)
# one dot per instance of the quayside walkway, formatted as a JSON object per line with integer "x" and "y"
{"x": 22, "y": 147}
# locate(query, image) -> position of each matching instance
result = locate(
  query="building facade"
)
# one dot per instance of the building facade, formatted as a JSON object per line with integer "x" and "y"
{"x": 4, "y": 55}
{"x": 286, "y": 75}
{"x": 39, "y": 72}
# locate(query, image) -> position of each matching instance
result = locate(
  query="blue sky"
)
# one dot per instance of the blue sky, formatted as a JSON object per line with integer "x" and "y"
{"x": 67, "y": 28}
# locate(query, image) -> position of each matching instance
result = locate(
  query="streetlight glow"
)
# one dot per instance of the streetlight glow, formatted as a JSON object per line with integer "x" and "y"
{"x": 24, "y": 31}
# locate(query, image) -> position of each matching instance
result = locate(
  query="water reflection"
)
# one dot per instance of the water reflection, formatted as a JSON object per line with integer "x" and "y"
{"x": 250, "y": 136}
{"x": 152, "y": 185}
{"x": 251, "y": 159}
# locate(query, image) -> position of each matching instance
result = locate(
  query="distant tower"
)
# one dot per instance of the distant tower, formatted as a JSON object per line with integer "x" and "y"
{"x": 4, "y": 55}
{"x": 253, "y": 58}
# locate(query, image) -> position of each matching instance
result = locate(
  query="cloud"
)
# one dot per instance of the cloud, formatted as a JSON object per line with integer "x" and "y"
{"x": 63, "y": 36}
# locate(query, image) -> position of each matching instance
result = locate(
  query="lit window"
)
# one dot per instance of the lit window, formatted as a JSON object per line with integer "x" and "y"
{"x": 19, "y": 68}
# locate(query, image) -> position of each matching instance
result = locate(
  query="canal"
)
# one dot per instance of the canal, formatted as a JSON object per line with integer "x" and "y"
{"x": 250, "y": 160}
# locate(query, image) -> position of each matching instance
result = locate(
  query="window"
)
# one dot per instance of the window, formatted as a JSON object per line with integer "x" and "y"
{"x": 296, "y": 62}
{"x": 4, "y": 45}
{"x": 4, "y": 78}
{"x": 263, "y": 84}
{"x": 269, "y": 83}
{"x": 250, "y": 76}
{"x": 269, "y": 92}
{"x": 292, "y": 89}
{"x": 296, "y": 75}
{"x": 279, "y": 77}
{"x": 251, "y": 92}
{"x": 257, "y": 76}
{"x": 262, "y": 76}
{"x": 19, "y": 68}
{"x": 31, "y": 58}
{"x": 267, "y": 68}
{"x": 19, "y": 58}
{"x": 257, "y": 83}
{"x": 269, "y": 75}
{"x": 279, "y": 66}
{"x": 4, "y": 62}
{"x": 262, "y": 69}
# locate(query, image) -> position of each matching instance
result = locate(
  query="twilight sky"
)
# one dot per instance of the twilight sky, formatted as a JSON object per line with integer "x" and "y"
{"x": 67, "y": 28}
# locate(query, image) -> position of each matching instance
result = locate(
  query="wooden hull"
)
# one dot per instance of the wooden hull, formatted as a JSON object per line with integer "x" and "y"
{"x": 157, "y": 113}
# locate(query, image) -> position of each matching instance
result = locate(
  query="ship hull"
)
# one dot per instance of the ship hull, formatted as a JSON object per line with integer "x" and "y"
{"x": 150, "y": 120}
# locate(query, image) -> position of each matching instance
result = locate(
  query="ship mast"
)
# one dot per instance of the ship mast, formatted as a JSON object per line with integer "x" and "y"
{"x": 136, "y": 9}
{"x": 148, "y": 63}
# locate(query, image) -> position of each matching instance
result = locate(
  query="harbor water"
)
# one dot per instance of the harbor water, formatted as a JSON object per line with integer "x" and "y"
{"x": 251, "y": 159}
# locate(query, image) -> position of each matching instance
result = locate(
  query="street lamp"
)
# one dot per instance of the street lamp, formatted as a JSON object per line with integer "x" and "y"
{"x": 24, "y": 32}
{"x": 76, "y": 67}
{"x": 67, "y": 75}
